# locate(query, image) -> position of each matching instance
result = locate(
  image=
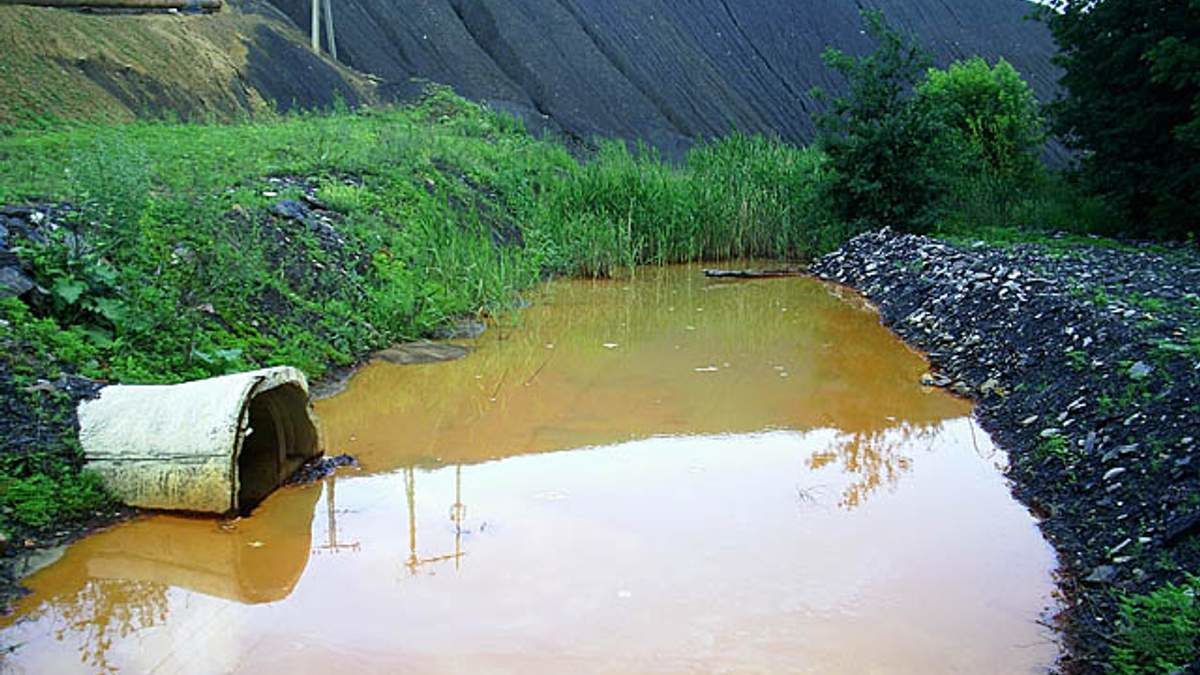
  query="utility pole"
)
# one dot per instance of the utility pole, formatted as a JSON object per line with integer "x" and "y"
{"x": 316, "y": 26}
{"x": 458, "y": 512}
{"x": 332, "y": 543}
{"x": 329, "y": 29}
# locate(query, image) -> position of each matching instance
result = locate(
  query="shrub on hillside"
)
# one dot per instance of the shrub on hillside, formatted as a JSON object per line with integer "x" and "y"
{"x": 889, "y": 155}
{"x": 992, "y": 123}
{"x": 953, "y": 150}
{"x": 990, "y": 114}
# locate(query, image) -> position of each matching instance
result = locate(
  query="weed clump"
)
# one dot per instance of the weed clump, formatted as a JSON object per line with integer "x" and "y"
{"x": 1160, "y": 630}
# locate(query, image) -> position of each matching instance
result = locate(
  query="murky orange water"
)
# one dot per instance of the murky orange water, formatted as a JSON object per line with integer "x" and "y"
{"x": 659, "y": 475}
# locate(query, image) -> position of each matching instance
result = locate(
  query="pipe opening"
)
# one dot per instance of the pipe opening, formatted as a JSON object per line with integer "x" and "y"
{"x": 279, "y": 438}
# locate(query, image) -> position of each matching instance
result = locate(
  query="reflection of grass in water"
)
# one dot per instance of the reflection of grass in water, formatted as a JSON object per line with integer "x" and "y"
{"x": 838, "y": 361}
{"x": 576, "y": 316}
{"x": 877, "y": 458}
{"x": 106, "y": 610}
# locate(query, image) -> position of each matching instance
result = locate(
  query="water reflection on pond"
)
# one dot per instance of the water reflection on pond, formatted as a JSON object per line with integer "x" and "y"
{"x": 655, "y": 475}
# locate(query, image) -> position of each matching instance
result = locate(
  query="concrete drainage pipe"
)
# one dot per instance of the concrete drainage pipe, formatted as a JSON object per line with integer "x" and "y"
{"x": 215, "y": 446}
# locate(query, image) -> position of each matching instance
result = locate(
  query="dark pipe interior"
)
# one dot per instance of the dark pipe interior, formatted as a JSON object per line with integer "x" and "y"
{"x": 282, "y": 438}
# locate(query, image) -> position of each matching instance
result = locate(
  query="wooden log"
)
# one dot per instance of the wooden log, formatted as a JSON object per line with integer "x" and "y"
{"x": 753, "y": 274}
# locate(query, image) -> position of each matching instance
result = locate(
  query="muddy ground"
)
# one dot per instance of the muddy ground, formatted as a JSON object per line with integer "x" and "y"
{"x": 1085, "y": 362}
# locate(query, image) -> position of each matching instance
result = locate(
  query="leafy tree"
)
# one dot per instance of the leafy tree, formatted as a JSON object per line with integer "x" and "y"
{"x": 994, "y": 128}
{"x": 991, "y": 113}
{"x": 887, "y": 151}
{"x": 1132, "y": 104}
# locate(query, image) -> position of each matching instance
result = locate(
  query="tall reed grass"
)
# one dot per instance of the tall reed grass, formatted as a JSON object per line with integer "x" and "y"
{"x": 442, "y": 209}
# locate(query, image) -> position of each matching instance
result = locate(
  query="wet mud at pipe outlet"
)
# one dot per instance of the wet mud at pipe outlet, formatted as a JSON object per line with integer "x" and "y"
{"x": 658, "y": 474}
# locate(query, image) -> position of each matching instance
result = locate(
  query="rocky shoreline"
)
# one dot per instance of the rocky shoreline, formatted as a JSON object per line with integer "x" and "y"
{"x": 1085, "y": 363}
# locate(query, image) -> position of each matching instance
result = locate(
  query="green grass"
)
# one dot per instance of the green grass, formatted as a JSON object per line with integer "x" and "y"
{"x": 170, "y": 282}
{"x": 41, "y": 484}
{"x": 1045, "y": 208}
{"x": 43, "y": 499}
{"x": 1057, "y": 446}
{"x": 1078, "y": 360}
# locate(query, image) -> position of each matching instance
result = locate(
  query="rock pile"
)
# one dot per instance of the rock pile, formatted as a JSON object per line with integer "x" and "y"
{"x": 22, "y": 226}
{"x": 1085, "y": 363}
{"x": 320, "y": 469}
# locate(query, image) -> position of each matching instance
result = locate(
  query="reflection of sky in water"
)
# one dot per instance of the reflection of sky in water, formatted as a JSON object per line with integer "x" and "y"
{"x": 805, "y": 506}
{"x": 897, "y": 549}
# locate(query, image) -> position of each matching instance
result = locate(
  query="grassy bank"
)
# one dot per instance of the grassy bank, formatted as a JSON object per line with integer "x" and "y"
{"x": 163, "y": 252}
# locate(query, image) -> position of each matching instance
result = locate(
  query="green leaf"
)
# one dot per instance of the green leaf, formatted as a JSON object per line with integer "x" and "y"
{"x": 104, "y": 273}
{"x": 228, "y": 354}
{"x": 110, "y": 308}
{"x": 203, "y": 357}
{"x": 69, "y": 289}
{"x": 98, "y": 337}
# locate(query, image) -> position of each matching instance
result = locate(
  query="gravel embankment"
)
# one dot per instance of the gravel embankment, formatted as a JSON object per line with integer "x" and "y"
{"x": 1085, "y": 363}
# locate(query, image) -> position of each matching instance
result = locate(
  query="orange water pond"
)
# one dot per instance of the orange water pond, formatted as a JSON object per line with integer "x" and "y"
{"x": 649, "y": 475}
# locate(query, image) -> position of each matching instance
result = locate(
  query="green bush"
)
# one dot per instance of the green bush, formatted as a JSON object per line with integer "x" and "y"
{"x": 890, "y": 157}
{"x": 991, "y": 115}
{"x": 992, "y": 124}
{"x": 41, "y": 500}
{"x": 990, "y": 207}
{"x": 953, "y": 151}
{"x": 1131, "y": 106}
{"x": 1159, "y": 631}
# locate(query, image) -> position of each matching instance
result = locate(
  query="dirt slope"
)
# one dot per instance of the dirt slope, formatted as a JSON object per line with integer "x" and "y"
{"x": 663, "y": 71}
{"x": 248, "y": 58}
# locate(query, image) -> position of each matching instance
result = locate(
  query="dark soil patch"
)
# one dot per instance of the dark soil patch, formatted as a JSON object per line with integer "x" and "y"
{"x": 483, "y": 205}
{"x": 38, "y": 400}
{"x": 1085, "y": 363}
{"x": 304, "y": 241}
{"x": 38, "y": 428}
{"x": 292, "y": 76}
